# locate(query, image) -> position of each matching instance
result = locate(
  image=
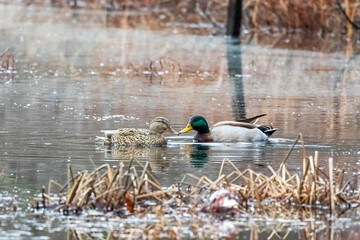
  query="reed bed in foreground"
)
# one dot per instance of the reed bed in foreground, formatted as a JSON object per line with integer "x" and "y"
{"x": 190, "y": 207}
{"x": 134, "y": 190}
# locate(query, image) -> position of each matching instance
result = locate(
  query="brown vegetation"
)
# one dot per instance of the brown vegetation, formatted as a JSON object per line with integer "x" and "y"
{"x": 324, "y": 16}
{"x": 133, "y": 190}
{"x": 7, "y": 65}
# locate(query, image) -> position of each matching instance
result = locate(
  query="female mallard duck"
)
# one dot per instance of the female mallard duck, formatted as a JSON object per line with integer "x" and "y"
{"x": 140, "y": 136}
{"x": 229, "y": 131}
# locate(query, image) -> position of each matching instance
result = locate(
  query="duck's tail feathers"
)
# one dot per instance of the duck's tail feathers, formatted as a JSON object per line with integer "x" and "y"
{"x": 104, "y": 139}
{"x": 267, "y": 130}
{"x": 107, "y": 138}
{"x": 270, "y": 132}
{"x": 251, "y": 120}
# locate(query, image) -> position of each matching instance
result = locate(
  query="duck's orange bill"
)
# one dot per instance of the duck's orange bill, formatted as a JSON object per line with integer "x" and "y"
{"x": 188, "y": 128}
{"x": 171, "y": 130}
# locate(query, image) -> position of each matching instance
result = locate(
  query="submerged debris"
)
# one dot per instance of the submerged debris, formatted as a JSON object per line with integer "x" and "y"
{"x": 134, "y": 191}
{"x": 223, "y": 201}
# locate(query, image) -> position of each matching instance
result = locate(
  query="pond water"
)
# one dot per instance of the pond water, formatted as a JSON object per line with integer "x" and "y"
{"x": 75, "y": 76}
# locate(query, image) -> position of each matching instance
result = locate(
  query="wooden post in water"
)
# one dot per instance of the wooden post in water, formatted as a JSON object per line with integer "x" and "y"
{"x": 234, "y": 57}
{"x": 234, "y": 18}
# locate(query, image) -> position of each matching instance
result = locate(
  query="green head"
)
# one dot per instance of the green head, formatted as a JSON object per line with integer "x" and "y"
{"x": 197, "y": 123}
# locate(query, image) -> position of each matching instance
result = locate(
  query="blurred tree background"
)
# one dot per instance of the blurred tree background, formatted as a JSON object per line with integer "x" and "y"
{"x": 323, "y": 25}
{"x": 323, "y": 16}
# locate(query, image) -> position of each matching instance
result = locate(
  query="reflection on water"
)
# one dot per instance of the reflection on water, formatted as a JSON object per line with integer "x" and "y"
{"x": 247, "y": 228}
{"x": 62, "y": 81}
{"x": 244, "y": 231}
{"x": 197, "y": 154}
{"x": 157, "y": 156}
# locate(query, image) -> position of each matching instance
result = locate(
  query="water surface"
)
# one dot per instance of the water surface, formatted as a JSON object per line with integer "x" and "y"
{"x": 74, "y": 78}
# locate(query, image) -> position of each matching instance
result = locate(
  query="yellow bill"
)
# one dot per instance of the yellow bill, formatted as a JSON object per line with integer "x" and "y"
{"x": 188, "y": 128}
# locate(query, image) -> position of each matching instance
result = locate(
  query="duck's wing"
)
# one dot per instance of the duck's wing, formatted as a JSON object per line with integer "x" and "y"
{"x": 132, "y": 132}
{"x": 125, "y": 132}
{"x": 252, "y": 120}
{"x": 229, "y": 131}
{"x": 123, "y": 135}
{"x": 234, "y": 124}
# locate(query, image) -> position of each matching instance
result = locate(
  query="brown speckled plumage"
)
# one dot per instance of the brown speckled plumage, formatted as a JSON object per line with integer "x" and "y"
{"x": 140, "y": 136}
{"x": 137, "y": 136}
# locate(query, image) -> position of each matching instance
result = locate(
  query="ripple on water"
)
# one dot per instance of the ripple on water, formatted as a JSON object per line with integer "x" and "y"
{"x": 84, "y": 81}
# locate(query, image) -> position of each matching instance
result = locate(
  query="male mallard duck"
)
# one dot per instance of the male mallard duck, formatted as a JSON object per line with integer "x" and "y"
{"x": 140, "y": 136}
{"x": 229, "y": 131}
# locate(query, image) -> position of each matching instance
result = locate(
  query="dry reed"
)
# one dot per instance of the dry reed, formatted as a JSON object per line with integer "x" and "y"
{"x": 185, "y": 207}
{"x": 129, "y": 190}
{"x": 325, "y": 15}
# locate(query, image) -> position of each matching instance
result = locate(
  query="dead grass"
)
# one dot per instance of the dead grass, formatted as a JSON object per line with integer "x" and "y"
{"x": 128, "y": 191}
{"x": 193, "y": 203}
{"x": 325, "y": 16}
